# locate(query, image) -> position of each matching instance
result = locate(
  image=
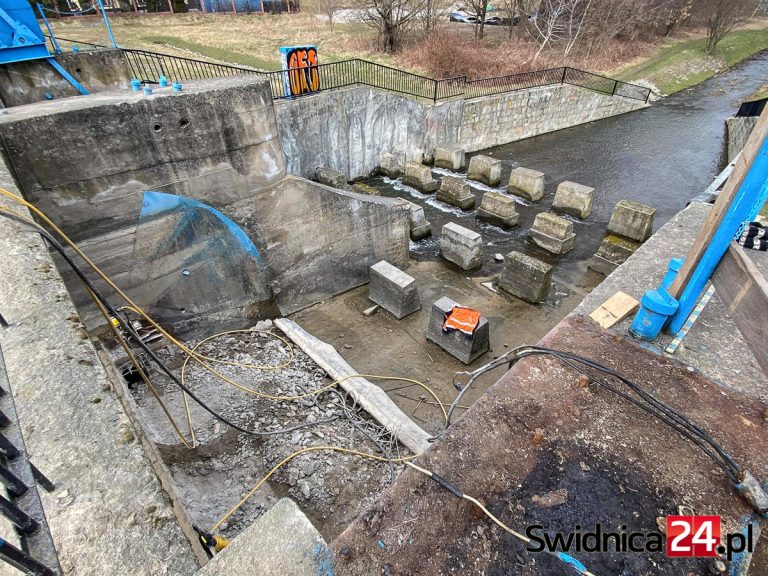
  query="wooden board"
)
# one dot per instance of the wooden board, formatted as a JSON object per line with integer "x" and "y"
{"x": 723, "y": 202}
{"x": 614, "y": 310}
{"x": 369, "y": 396}
{"x": 744, "y": 290}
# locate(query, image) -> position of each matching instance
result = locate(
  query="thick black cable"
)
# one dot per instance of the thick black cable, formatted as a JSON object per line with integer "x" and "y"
{"x": 126, "y": 325}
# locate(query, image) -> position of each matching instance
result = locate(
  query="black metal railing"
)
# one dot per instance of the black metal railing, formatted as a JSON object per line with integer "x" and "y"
{"x": 22, "y": 506}
{"x": 149, "y": 66}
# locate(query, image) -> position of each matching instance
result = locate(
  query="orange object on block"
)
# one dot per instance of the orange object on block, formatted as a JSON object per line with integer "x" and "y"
{"x": 462, "y": 319}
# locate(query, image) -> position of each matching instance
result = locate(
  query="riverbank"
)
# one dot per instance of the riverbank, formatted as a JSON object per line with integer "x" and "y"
{"x": 682, "y": 63}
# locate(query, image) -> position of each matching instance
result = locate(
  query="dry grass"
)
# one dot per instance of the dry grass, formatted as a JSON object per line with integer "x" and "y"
{"x": 245, "y": 39}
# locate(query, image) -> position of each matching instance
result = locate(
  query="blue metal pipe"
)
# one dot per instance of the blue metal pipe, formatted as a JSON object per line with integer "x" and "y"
{"x": 106, "y": 23}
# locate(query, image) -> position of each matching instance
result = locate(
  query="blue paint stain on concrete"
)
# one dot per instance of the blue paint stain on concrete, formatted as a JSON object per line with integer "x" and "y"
{"x": 323, "y": 560}
{"x": 163, "y": 204}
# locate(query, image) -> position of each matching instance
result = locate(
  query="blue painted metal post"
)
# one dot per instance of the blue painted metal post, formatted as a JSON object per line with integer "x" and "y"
{"x": 106, "y": 23}
{"x": 740, "y": 210}
{"x": 67, "y": 76}
{"x": 56, "y": 47}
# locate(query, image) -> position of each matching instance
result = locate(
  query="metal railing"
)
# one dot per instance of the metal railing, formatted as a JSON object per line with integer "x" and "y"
{"x": 149, "y": 66}
{"x": 22, "y": 506}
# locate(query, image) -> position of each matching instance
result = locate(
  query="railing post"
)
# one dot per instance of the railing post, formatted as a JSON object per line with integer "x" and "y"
{"x": 434, "y": 100}
{"x": 615, "y": 85}
{"x": 565, "y": 69}
{"x": 648, "y": 96}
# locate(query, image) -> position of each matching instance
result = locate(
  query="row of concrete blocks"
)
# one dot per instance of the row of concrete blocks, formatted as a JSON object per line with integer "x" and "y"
{"x": 396, "y": 292}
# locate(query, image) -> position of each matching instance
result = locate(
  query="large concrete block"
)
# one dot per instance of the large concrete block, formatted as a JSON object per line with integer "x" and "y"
{"x": 461, "y": 246}
{"x": 574, "y": 199}
{"x": 498, "y": 209}
{"x": 420, "y": 226}
{"x": 420, "y": 177}
{"x": 526, "y": 277}
{"x": 393, "y": 290}
{"x": 485, "y": 169}
{"x": 632, "y": 220}
{"x": 456, "y": 192}
{"x": 613, "y": 252}
{"x": 459, "y": 345}
{"x": 391, "y": 165}
{"x": 553, "y": 233}
{"x": 449, "y": 158}
{"x": 332, "y": 178}
{"x": 527, "y": 183}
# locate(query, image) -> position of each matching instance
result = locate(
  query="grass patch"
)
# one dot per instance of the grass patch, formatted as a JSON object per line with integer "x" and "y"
{"x": 213, "y": 52}
{"x": 682, "y": 64}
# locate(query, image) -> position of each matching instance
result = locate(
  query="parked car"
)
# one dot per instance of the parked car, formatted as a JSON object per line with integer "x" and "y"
{"x": 461, "y": 16}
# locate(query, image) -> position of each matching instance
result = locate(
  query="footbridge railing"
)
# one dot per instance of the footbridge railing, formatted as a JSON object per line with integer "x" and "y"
{"x": 148, "y": 66}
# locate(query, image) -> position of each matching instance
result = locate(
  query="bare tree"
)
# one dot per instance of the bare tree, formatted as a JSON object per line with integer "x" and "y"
{"x": 722, "y": 16}
{"x": 391, "y": 19}
{"x": 560, "y": 22}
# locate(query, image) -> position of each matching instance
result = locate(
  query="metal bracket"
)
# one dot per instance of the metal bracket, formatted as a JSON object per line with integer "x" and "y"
{"x": 67, "y": 76}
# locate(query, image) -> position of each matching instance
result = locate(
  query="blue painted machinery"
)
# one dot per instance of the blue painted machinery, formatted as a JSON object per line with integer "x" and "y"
{"x": 21, "y": 38}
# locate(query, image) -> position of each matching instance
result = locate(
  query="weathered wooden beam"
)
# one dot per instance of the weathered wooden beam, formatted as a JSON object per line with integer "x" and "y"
{"x": 371, "y": 397}
{"x": 744, "y": 290}
{"x": 723, "y": 202}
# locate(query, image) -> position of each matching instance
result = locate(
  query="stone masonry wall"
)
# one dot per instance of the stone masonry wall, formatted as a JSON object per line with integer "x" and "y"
{"x": 492, "y": 121}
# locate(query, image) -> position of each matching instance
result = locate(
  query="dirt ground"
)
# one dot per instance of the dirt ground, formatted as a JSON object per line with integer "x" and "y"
{"x": 331, "y": 488}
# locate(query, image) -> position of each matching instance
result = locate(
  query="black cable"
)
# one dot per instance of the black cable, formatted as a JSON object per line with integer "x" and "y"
{"x": 130, "y": 330}
{"x": 657, "y": 408}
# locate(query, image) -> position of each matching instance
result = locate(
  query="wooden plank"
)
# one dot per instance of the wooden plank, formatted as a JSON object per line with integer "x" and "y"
{"x": 744, "y": 290}
{"x": 614, "y": 310}
{"x": 371, "y": 397}
{"x": 723, "y": 202}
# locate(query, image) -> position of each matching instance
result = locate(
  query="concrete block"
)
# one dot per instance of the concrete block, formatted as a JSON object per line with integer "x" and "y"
{"x": 461, "y": 246}
{"x": 613, "y": 252}
{"x": 420, "y": 177}
{"x": 632, "y": 220}
{"x": 527, "y": 183}
{"x": 574, "y": 199}
{"x": 485, "y": 169}
{"x": 553, "y": 233}
{"x": 363, "y": 188}
{"x": 393, "y": 290}
{"x": 456, "y": 192}
{"x": 459, "y": 345}
{"x": 391, "y": 165}
{"x": 420, "y": 226}
{"x": 332, "y": 178}
{"x": 526, "y": 277}
{"x": 498, "y": 209}
{"x": 449, "y": 158}
{"x": 282, "y": 542}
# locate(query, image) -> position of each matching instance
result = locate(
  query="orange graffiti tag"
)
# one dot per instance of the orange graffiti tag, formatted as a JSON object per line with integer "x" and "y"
{"x": 303, "y": 74}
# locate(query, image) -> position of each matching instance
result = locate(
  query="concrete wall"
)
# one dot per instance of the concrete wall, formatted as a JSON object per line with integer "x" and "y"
{"x": 496, "y": 120}
{"x": 28, "y": 82}
{"x": 182, "y": 199}
{"x": 86, "y": 161}
{"x": 349, "y": 129}
{"x": 737, "y": 130}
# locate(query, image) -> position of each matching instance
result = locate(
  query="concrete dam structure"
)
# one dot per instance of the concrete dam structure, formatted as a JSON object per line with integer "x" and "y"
{"x": 255, "y": 332}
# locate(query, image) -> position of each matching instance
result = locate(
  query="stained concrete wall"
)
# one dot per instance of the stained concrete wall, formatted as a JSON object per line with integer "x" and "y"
{"x": 28, "y": 82}
{"x": 737, "y": 130}
{"x": 348, "y": 130}
{"x": 215, "y": 142}
{"x": 492, "y": 121}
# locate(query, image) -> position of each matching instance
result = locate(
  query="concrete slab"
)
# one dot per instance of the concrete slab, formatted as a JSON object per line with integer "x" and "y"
{"x": 526, "y": 277}
{"x": 449, "y": 158}
{"x": 461, "y": 246}
{"x": 461, "y": 346}
{"x": 109, "y": 513}
{"x": 498, "y": 209}
{"x": 553, "y": 233}
{"x": 332, "y": 178}
{"x": 632, "y": 220}
{"x": 485, "y": 169}
{"x": 283, "y": 542}
{"x": 612, "y": 253}
{"x": 456, "y": 192}
{"x": 536, "y": 435}
{"x": 527, "y": 183}
{"x": 574, "y": 199}
{"x": 393, "y": 290}
{"x": 420, "y": 177}
{"x": 419, "y": 225}
{"x": 391, "y": 165}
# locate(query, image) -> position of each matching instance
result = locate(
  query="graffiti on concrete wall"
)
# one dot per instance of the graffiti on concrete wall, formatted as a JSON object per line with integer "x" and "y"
{"x": 302, "y": 75}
